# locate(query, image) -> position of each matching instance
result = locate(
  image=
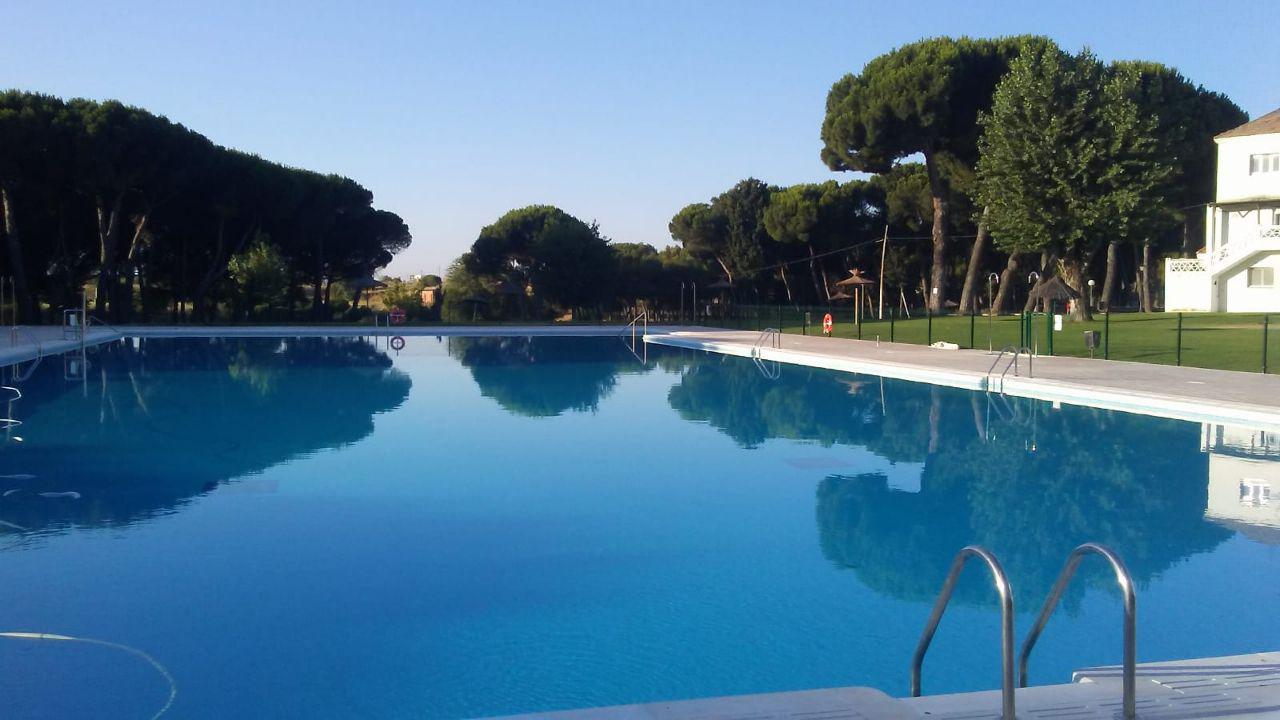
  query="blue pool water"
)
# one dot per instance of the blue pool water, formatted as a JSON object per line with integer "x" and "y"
{"x": 323, "y": 528}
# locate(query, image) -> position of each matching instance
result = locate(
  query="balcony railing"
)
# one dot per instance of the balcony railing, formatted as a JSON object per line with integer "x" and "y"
{"x": 1266, "y": 237}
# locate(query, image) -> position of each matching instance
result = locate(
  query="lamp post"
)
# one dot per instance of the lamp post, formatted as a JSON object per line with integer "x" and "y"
{"x": 681, "y": 301}
{"x": 1033, "y": 277}
{"x": 1090, "y": 305}
{"x": 992, "y": 280}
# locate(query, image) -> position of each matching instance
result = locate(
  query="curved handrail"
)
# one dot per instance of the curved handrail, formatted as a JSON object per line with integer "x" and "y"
{"x": 90, "y": 320}
{"x": 1125, "y": 581}
{"x": 773, "y": 336}
{"x": 17, "y": 393}
{"x": 1006, "y": 624}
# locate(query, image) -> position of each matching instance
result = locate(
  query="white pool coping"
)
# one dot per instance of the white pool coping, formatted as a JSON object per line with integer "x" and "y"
{"x": 1222, "y": 688}
{"x": 1150, "y": 393}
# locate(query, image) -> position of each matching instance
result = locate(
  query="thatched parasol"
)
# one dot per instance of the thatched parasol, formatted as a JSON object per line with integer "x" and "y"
{"x": 855, "y": 278}
{"x": 1054, "y": 289}
{"x": 858, "y": 283}
{"x": 841, "y": 296}
{"x": 720, "y": 284}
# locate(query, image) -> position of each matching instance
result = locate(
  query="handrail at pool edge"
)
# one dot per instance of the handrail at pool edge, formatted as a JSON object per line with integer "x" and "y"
{"x": 1006, "y": 624}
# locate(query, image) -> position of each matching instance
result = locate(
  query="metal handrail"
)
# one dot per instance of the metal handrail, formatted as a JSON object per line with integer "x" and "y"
{"x": 1125, "y": 581}
{"x": 632, "y": 326}
{"x": 1006, "y": 624}
{"x": 773, "y": 336}
{"x": 1013, "y": 364}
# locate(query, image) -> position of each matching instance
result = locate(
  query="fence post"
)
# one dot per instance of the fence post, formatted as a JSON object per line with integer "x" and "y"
{"x": 928, "y": 313}
{"x": 1106, "y": 334}
{"x": 1178, "y": 354}
{"x": 892, "y": 314}
{"x": 804, "y": 323}
{"x": 1048, "y": 329}
{"x": 857, "y": 318}
{"x": 779, "y": 318}
{"x": 1265, "y": 321}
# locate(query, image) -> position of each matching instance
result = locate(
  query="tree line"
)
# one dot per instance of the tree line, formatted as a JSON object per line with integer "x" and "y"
{"x": 152, "y": 217}
{"x": 984, "y": 157}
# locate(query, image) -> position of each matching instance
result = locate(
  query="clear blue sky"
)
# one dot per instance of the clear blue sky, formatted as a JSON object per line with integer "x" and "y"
{"x": 452, "y": 113}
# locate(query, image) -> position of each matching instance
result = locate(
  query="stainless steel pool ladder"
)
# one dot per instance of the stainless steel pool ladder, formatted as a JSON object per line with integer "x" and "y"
{"x": 1006, "y": 624}
{"x": 1003, "y": 589}
{"x": 769, "y": 337}
{"x": 8, "y": 421}
{"x": 1011, "y": 365}
{"x": 1125, "y": 581}
{"x": 636, "y": 326}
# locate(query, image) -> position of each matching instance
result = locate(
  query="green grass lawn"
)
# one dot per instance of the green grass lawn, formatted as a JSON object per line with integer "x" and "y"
{"x": 1226, "y": 341}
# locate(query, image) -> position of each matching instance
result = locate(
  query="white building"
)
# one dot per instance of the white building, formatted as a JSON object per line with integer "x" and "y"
{"x": 1238, "y": 269}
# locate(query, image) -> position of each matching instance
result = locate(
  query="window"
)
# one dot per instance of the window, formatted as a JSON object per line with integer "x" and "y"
{"x": 1262, "y": 277}
{"x": 1265, "y": 163}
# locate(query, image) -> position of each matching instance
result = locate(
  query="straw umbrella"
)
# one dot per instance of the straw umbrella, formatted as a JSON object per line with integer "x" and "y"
{"x": 857, "y": 282}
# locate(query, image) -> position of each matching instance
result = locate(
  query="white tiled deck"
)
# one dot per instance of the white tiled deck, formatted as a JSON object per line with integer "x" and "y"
{"x": 1224, "y": 688}
{"x": 1184, "y": 393}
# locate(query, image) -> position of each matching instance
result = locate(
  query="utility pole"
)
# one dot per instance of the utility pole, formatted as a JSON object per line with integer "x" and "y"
{"x": 884, "y": 245}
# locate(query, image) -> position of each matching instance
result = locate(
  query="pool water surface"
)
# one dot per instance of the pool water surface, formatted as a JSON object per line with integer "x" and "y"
{"x": 328, "y": 528}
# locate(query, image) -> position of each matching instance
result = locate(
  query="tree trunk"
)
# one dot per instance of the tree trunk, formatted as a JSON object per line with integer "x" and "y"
{"x": 1006, "y": 285}
{"x": 728, "y": 275}
{"x": 108, "y": 238}
{"x": 786, "y": 283}
{"x": 1047, "y": 261}
{"x": 129, "y": 267}
{"x": 968, "y": 294}
{"x": 1109, "y": 282}
{"x": 819, "y": 288}
{"x": 216, "y": 267}
{"x": 1073, "y": 276}
{"x": 1148, "y": 302}
{"x": 17, "y": 268}
{"x": 941, "y": 212}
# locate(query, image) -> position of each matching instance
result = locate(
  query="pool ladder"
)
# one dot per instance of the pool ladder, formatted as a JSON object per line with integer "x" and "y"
{"x": 1014, "y": 352}
{"x": 1007, "y": 710}
{"x": 638, "y": 325}
{"x": 769, "y": 337}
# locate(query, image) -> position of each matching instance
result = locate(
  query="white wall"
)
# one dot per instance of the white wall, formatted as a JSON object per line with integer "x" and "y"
{"x": 1186, "y": 291}
{"x": 1234, "y": 180}
{"x": 1236, "y": 296}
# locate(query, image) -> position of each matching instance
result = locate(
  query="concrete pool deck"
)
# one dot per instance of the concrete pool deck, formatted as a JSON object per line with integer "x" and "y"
{"x": 1183, "y": 393}
{"x": 1223, "y": 688}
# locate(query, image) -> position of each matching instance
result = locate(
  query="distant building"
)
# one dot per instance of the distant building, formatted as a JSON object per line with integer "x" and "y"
{"x": 1240, "y": 264}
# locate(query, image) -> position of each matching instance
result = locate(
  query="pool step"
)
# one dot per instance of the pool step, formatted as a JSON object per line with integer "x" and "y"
{"x": 1237, "y": 687}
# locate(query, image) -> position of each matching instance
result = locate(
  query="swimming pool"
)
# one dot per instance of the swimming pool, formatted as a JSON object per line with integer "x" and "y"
{"x": 326, "y": 528}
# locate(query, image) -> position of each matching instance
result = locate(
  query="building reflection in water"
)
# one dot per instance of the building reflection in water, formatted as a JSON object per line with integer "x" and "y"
{"x": 1244, "y": 476}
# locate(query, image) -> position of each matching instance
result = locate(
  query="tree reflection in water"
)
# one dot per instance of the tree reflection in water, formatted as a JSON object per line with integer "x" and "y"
{"x": 1026, "y": 480}
{"x": 544, "y": 376}
{"x": 157, "y": 422}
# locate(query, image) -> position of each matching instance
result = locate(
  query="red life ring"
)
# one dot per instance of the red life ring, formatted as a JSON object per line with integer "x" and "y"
{"x": 397, "y": 316}
{"x": 826, "y": 324}
{"x": 397, "y": 343}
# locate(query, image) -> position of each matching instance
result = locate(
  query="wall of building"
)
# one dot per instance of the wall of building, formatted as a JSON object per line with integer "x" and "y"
{"x": 1234, "y": 180}
{"x": 1234, "y": 294}
{"x": 1184, "y": 290}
